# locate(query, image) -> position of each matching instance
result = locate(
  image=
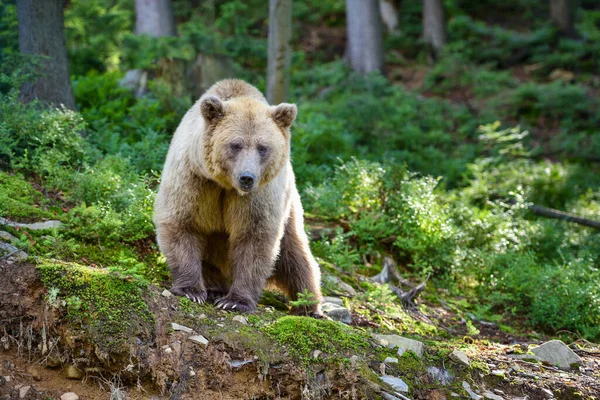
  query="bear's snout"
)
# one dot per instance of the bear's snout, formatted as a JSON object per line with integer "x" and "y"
{"x": 246, "y": 180}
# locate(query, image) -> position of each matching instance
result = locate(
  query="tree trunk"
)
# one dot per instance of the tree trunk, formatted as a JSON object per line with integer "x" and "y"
{"x": 389, "y": 14}
{"x": 561, "y": 13}
{"x": 365, "y": 36}
{"x": 280, "y": 54}
{"x": 41, "y": 33}
{"x": 155, "y": 18}
{"x": 434, "y": 25}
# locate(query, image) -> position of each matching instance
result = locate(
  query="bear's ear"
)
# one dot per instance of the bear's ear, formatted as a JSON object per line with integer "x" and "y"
{"x": 284, "y": 114}
{"x": 212, "y": 109}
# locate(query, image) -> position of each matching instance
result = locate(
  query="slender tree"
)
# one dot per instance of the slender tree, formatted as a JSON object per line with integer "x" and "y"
{"x": 561, "y": 13}
{"x": 41, "y": 33}
{"x": 155, "y": 18}
{"x": 280, "y": 55}
{"x": 434, "y": 25}
{"x": 365, "y": 36}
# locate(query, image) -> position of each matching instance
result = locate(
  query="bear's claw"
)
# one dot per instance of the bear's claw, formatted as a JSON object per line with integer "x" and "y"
{"x": 228, "y": 304}
{"x": 195, "y": 295}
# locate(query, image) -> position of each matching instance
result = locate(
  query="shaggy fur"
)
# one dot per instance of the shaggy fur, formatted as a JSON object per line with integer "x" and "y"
{"x": 228, "y": 215}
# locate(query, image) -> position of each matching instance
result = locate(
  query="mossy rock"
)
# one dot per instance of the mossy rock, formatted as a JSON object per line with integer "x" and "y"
{"x": 109, "y": 307}
{"x": 301, "y": 336}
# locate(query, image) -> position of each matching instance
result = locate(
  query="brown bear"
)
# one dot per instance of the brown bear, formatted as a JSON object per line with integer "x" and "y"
{"x": 228, "y": 215}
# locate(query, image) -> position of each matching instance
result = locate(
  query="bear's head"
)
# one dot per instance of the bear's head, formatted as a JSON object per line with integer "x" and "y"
{"x": 246, "y": 141}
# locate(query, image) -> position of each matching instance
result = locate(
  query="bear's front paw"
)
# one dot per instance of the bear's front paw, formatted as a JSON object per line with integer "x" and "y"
{"x": 230, "y": 304}
{"x": 215, "y": 294}
{"x": 192, "y": 293}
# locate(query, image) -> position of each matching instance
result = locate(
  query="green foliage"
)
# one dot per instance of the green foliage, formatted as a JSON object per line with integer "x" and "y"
{"x": 305, "y": 301}
{"x": 302, "y": 336}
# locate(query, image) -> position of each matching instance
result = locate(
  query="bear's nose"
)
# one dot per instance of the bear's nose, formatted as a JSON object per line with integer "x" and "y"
{"x": 246, "y": 180}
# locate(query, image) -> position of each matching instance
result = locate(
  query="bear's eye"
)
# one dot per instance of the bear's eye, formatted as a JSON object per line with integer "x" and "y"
{"x": 262, "y": 150}
{"x": 235, "y": 147}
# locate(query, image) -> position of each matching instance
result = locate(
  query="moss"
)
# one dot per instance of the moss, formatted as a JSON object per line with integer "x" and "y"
{"x": 110, "y": 308}
{"x": 302, "y": 336}
{"x": 19, "y": 201}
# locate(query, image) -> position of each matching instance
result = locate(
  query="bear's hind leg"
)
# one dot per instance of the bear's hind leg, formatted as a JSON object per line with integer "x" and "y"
{"x": 182, "y": 248}
{"x": 296, "y": 270}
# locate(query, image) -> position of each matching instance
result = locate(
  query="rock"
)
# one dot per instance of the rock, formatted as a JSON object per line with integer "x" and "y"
{"x": 491, "y": 396}
{"x": 167, "y": 349}
{"x": 7, "y": 378}
{"x": 69, "y": 396}
{"x": 238, "y": 363}
{"x": 337, "y": 283}
{"x": 23, "y": 391}
{"x": 8, "y": 249}
{"x": 316, "y": 354}
{"x": 192, "y": 372}
{"x": 558, "y": 354}
{"x": 396, "y": 383}
{"x": 391, "y": 360}
{"x": 403, "y": 344}
{"x": 548, "y": 393}
{"x": 181, "y": 328}
{"x": 460, "y": 357}
{"x": 72, "y": 372}
{"x": 241, "y": 319}
{"x": 333, "y": 300}
{"x": 471, "y": 393}
{"x": 199, "y": 339}
{"x": 440, "y": 375}
{"x": 498, "y": 372}
{"x": 7, "y": 236}
{"x": 176, "y": 346}
{"x": 166, "y": 293}
{"x": 36, "y": 226}
{"x": 353, "y": 360}
{"x": 337, "y": 313}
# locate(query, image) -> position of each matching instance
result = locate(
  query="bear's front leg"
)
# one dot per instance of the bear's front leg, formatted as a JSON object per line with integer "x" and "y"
{"x": 183, "y": 250}
{"x": 252, "y": 259}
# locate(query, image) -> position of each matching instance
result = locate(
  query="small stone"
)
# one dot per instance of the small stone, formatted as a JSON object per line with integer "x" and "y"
{"x": 201, "y": 340}
{"x": 166, "y": 293}
{"x": 454, "y": 394}
{"x": 221, "y": 325}
{"x": 241, "y": 319}
{"x": 556, "y": 353}
{"x": 460, "y": 357}
{"x": 403, "y": 344}
{"x": 7, "y": 378}
{"x": 168, "y": 350}
{"x": 201, "y": 316}
{"x": 387, "y": 396}
{"x": 353, "y": 360}
{"x": 72, "y": 372}
{"x": 548, "y": 393}
{"x": 176, "y": 346}
{"x": 472, "y": 394}
{"x": 316, "y": 354}
{"x": 498, "y": 372}
{"x": 7, "y": 236}
{"x": 440, "y": 375}
{"x": 23, "y": 391}
{"x": 491, "y": 396}
{"x": 336, "y": 282}
{"x": 181, "y": 328}
{"x": 337, "y": 313}
{"x": 333, "y": 300}
{"x": 391, "y": 360}
{"x": 192, "y": 372}
{"x": 69, "y": 396}
{"x": 396, "y": 383}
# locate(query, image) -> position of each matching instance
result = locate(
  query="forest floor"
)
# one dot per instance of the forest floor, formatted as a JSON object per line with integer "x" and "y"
{"x": 46, "y": 351}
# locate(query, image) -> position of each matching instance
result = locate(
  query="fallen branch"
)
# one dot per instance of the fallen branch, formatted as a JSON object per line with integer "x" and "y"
{"x": 556, "y": 214}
